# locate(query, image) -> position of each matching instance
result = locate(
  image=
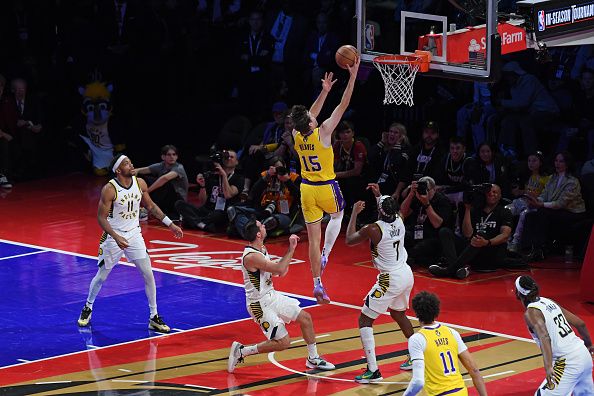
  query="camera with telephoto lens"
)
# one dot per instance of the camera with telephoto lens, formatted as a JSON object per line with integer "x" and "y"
{"x": 422, "y": 187}
{"x": 270, "y": 208}
{"x": 219, "y": 156}
{"x": 475, "y": 194}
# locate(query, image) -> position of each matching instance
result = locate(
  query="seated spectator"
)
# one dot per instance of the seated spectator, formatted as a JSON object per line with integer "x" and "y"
{"x": 530, "y": 110}
{"x": 488, "y": 227}
{"x": 168, "y": 181}
{"x": 582, "y": 114}
{"x": 425, "y": 212}
{"x": 534, "y": 187}
{"x": 492, "y": 168}
{"x": 218, "y": 190}
{"x": 473, "y": 117}
{"x": 29, "y": 128}
{"x": 350, "y": 157}
{"x": 257, "y": 155}
{"x": 8, "y": 145}
{"x": 558, "y": 207}
{"x": 426, "y": 158}
{"x": 459, "y": 171}
{"x": 388, "y": 160}
{"x": 274, "y": 200}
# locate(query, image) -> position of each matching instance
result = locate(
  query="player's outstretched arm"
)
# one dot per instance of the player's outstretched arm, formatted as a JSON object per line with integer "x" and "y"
{"x": 280, "y": 268}
{"x": 353, "y": 236}
{"x": 156, "y": 211}
{"x": 535, "y": 320}
{"x": 108, "y": 194}
{"x": 330, "y": 124}
{"x": 327, "y": 84}
{"x": 580, "y": 325}
{"x": 474, "y": 372}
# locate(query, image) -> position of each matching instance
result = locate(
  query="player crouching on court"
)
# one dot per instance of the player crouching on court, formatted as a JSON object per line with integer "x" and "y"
{"x": 269, "y": 308}
{"x": 567, "y": 358}
{"x": 394, "y": 282}
{"x": 436, "y": 352}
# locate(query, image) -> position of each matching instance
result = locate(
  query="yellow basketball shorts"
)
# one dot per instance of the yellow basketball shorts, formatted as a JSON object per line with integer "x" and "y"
{"x": 320, "y": 197}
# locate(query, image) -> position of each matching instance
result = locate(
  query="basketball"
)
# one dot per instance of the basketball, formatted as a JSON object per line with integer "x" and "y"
{"x": 346, "y": 56}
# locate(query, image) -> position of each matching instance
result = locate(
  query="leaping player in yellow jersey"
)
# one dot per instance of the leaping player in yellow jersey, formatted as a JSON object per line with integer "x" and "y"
{"x": 436, "y": 352}
{"x": 319, "y": 190}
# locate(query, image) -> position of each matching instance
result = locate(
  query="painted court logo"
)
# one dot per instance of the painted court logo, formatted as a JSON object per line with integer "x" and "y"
{"x": 541, "y": 20}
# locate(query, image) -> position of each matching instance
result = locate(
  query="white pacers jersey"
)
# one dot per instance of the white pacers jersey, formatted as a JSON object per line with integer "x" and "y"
{"x": 563, "y": 339}
{"x": 123, "y": 215}
{"x": 389, "y": 254}
{"x": 256, "y": 283}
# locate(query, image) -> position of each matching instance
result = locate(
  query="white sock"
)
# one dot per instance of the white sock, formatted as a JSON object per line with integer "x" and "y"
{"x": 312, "y": 351}
{"x": 317, "y": 281}
{"x": 369, "y": 347}
{"x": 144, "y": 266}
{"x": 332, "y": 231}
{"x": 248, "y": 350}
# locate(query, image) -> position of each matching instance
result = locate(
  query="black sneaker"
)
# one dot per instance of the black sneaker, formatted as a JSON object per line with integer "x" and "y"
{"x": 462, "y": 273}
{"x": 156, "y": 323}
{"x": 369, "y": 377}
{"x": 436, "y": 270}
{"x": 535, "y": 254}
{"x": 4, "y": 183}
{"x": 85, "y": 316}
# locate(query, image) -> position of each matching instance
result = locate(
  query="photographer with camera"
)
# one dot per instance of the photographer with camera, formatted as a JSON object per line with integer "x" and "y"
{"x": 426, "y": 212}
{"x": 487, "y": 225}
{"x": 218, "y": 189}
{"x": 273, "y": 200}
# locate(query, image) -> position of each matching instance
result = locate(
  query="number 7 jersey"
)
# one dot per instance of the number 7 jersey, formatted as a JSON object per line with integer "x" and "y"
{"x": 317, "y": 161}
{"x": 563, "y": 339}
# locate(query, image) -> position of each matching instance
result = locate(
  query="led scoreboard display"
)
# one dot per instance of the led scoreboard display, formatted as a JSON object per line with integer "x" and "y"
{"x": 557, "y": 17}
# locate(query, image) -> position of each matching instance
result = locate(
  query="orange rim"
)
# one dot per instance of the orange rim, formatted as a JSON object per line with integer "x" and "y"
{"x": 420, "y": 58}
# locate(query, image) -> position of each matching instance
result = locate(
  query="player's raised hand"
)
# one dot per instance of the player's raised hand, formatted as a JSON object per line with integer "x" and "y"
{"x": 177, "y": 232}
{"x": 355, "y": 68}
{"x": 358, "y": 207}
{"x": 374, "y": 187}
{"x": 293, "y": 239}
{"x": 327, "y": 82}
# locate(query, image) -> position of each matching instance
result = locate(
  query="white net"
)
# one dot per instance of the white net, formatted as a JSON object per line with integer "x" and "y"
{"x": 399, "y": 77}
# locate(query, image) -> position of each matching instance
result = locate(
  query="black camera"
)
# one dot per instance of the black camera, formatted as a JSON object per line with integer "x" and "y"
{"x": 270, "y": 208}
{"x": 475, "y": 194}
{"x": 422, "y": 187}
{"x": 219, "y": 156}
{"x": 281, "y": 171}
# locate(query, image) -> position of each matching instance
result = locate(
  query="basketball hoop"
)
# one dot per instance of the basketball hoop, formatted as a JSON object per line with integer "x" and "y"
{"x": 398, "y": 73}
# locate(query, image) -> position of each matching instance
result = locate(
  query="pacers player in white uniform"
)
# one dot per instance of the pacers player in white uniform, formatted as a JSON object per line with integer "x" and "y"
{"x": 567, "y": 358}
{"x": 118, "y": 217}
{"x": 394, "y": 283}
{"x": 269, "y": 309}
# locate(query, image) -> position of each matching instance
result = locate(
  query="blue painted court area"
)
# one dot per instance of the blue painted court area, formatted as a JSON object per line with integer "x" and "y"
{"x": 42, "y": 295}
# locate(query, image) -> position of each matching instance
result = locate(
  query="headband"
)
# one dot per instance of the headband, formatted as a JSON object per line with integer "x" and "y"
{"x": 379, "y": 206}
{"x": 520, "y": 289}
{"x": 118, "y": 163}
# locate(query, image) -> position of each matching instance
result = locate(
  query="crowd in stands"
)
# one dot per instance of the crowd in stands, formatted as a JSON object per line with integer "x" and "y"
{"x": 482, "y": 171}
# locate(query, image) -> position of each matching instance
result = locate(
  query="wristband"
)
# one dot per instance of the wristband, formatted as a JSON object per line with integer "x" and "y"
{"x": 167, "y": 221}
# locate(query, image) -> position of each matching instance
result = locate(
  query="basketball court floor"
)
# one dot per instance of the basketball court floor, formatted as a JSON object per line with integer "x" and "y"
{"x": 48, "y": 243}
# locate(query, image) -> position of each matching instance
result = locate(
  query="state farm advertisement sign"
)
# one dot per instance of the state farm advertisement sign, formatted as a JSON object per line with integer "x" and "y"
{"x": 461, "y": 43}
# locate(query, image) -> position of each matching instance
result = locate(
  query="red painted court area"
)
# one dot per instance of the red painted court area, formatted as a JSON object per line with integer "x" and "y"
{"x": 60, "y": 214}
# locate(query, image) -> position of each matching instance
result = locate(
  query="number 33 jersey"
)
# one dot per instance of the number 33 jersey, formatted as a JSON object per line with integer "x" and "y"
{"x": 563, "y": 339}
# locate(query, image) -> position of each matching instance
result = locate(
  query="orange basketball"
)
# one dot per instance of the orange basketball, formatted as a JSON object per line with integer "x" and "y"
{"x": 346, "y": 56}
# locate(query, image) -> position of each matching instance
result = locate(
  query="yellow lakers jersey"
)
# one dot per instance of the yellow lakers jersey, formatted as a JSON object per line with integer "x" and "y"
{"x": 317, "y": 161}
{"x": 442, "y": 369}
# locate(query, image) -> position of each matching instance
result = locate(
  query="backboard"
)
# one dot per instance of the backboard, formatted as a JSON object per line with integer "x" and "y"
{"x": 439, "y": 26}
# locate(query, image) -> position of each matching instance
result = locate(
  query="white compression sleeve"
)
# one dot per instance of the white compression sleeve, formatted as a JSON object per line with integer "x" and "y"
{"x": 144, "y": 266}
{"x": 418, "y": 379}
{"x": 332, "y": 231}
{"x": 369, "y": 347}
{"x": 96, "y": 284}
